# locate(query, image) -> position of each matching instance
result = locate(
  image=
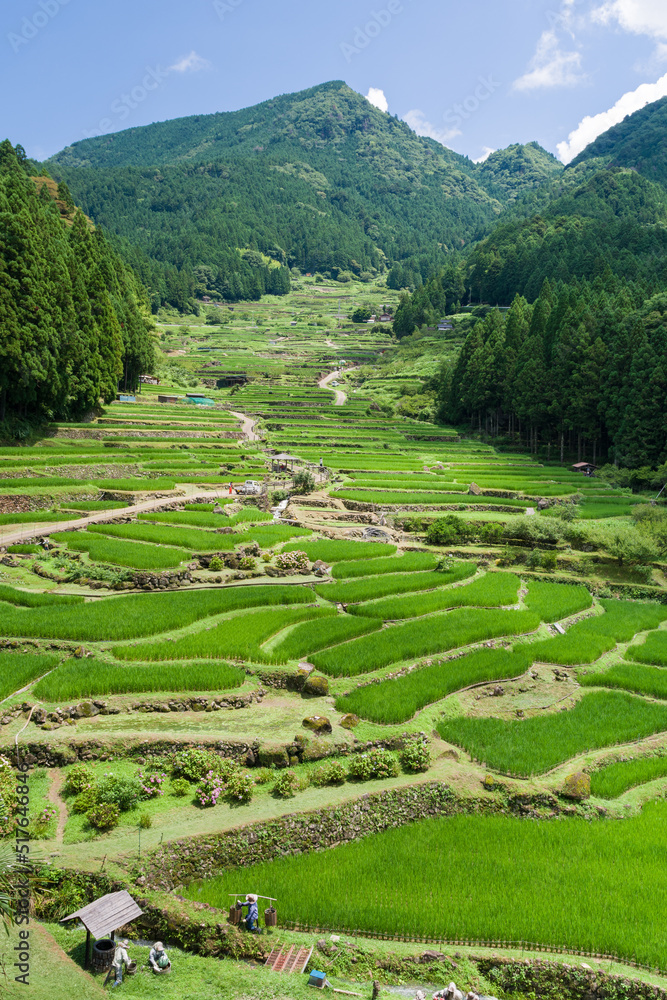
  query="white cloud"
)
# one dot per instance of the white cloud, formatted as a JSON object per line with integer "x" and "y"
{"x": 418, "y": 122}
{"x": 191, "y": 63}
{"x": 593, "y": 126}
{"x": 639, "y": 17}
{"x": 488, "y": 150}
{"x": 551, "y": 66}
{"x": 377, "y": 98}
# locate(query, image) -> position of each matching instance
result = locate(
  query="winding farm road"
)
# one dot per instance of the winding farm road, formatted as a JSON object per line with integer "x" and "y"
{"x": 44, "y": 528}
{"x": 247, "y": 426}
{"x": 341, "y": 397}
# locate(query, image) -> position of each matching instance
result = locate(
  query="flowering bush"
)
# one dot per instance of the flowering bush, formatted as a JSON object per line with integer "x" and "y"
{"x": 152, "y": 785}
{"x": 115, "y": 790}
{"x": 180, "y": 787}
{"x": 86, "y": 799}
{"x": 194, "y": 763}
{"x": 40, "y": 823}
{"x": 333, "y": 772}
{"x": 240, "y": 787}
{"x": 376, "y": 763}
{"x": 103, "y": 816}
{"x": 286, "y": 785}
{"x": 293, "y": 562}
{"x": 78, "y": 777}
{"x": 416, "y": 756}
{"x": 210, "y": 789}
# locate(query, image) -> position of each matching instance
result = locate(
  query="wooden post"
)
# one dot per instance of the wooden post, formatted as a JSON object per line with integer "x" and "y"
{"x": 87, "y": 961}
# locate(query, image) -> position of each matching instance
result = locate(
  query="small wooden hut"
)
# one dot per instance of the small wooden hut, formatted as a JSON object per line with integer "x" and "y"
{"x": 103, "y": 917}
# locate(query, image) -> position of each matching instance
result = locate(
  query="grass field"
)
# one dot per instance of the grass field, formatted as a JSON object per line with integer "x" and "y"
{"x": 26, "y": 599}
{"x": 588, "y": 640}
{"x": 81, "y": 679}
{"x": 532, "y": 746}
{"x": 136, "y": 555}
{"x": 651, "y": 681}
{"x": 654, "y": 650}
{"x": 489, "y": 591}
{"x": 553, "y": 601}
{"x": 335, "y": 550}
{"x": 232, "y": 637}
{"x": 412, "y": 639}
{"x": 410, "y": 562}
{"x": 19, "y": 669}
{"x": 319, "y": 634}
{"x": 614, "y": 780}
{"x": 366, "y": 588}
{"x": 398, "y": 699}
{"x": 606, "y": 864}
{"x": 138, "y": 615}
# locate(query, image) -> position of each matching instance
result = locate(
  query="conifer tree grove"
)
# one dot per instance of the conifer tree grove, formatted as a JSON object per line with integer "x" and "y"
{"x": 74, "y": 320}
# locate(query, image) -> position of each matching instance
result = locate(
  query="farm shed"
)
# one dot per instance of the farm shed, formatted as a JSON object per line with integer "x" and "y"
{"x": 103, "y": 917}
{"x": 283, "y": 460}
{"x": 586, "y": 467}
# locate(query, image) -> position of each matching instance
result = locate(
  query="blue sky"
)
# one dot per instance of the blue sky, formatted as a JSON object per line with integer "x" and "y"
{"x": 477, "y": 75}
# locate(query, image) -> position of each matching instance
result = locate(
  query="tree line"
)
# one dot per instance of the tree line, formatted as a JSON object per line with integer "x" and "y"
{"x": 75, "y": 319}
{"x": 583, "y": 369}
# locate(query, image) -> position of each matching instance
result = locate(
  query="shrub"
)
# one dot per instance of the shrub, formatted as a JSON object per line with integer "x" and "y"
{"x": 210, "y": 789}
{"x": 103, "y": 816}
{"x": 448, "y": 530}
{"x": 286, "y": 785}
{"x": 216, "y": 564}
{"x": 180, "y": 787}
{"x": 376, "y": 763}
{"x": 119, "y": 791}
{"x": 86, "y": 799}
{"x": 293, "y": 562}
{"x": 304, "y": 482}
{"x": 145, "y": 821}
{"x": 333, "y": 772}
{"x": 78, "y": 777}
{"x": 194, "y": 763}
{"x": 240, "y": 787}
{"x": 246, "y": 562}
{"x": 416, "y": 756}
{"x": 263, "y": 775}
{"x": 151, "y": 784}
{"x": 40, "y": 823}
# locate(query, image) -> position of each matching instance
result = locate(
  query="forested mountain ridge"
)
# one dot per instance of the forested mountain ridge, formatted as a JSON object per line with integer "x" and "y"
{"x": 320, "y": 180}
{"x": 615, "y": 220}
{"x": 75, "y": 320}
{"x": 638, "y": 142}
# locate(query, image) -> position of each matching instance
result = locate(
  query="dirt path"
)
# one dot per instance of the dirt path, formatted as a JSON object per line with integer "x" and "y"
{"x": 341, "y": 397}
{"x": 107, "y": 515}
{"x": 53, "y": 796}
{"x": 247, "y": 426}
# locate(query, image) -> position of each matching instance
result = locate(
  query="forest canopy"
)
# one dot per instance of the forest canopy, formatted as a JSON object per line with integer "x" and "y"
{"x": 75, "y": 319}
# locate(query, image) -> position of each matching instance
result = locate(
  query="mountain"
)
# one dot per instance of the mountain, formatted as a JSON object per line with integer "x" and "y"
{"x": 613, "y": 221}
{"x": 319, "y": 180}
{"x": 638, "y": 142}
{"x": 512, "y": 172}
